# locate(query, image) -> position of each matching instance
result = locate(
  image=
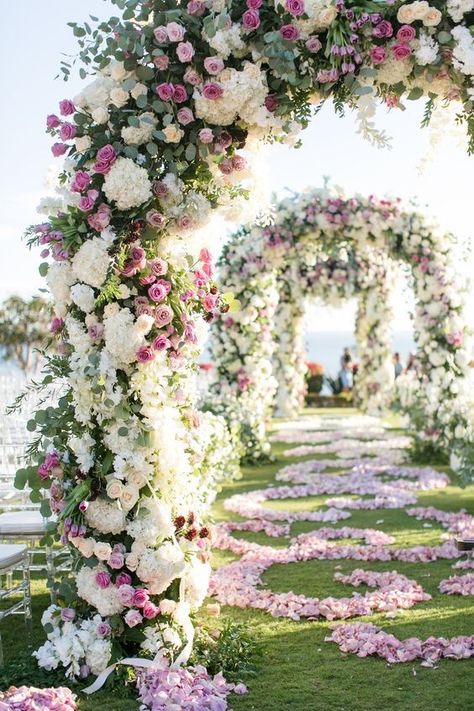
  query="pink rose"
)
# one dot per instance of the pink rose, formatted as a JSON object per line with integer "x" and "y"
{"x": 195, "y": 8}
{"x": 184, "y": 222}
{"x": 159, "y": 291}
{"x": 378, "y": 55}
{"x": 101, "y": 219}
{"x": 406, "y": 33}
{"x": 66, "y": 107}
{"x": 313, "y": 44}
{"x": 290, "y": 33}
{"x": 123, "y": 579}
{"x": 238, "y": 162}
{"x": 213, "y": 65}
{"x": 160, "y": 189}
{"x": 191, "y": 76}
{"x": 147, "y": 280}
{"x": 226, "y": 167}
{"x": 95, "y": 332}
{"x": 145, "y": 354}
{"x": 209, "y": 302}
{"x": 104, "y": 159}
{"x": 161, "y": 343}
{"x": 185, "y": 116}
{"x": 205, "y": 255}
{"x": 163, "y": 315}
{"x": 205, "y": 135}
{"x": 165, "y": 91}
{"x": 87, "y": 202}
{"x": 67, "y": 132}
{"x": 401, "y": 51}
{"x": 180, "y": 94}
{"x": 224, "y": 140}
{"x": 162, "y": 62}
{"x": 80, "y": 181}
{"x": 254, "y": 4}
{"x": 185, "y": 51}
{"x": 160, "y": 34}
{"x": 158, "y": 266}
{"x": 150, "y": 610}
{"x": 212, "y": 90}
{"x": 125, "y": 594}
{"x": 58, "y": 149}
{"x": 67, "y": 614}
{"x": 102, "y": 579}
{"x": 56, "y": 324}
{"x": 137, "y": 255}
{"x": 295, "y": 7}
{"x": 52, "y": 121}
{"x": 271, "y": 102}
{"x": 175, "y": 31}
{"x": 251, "y": 19}
{"x": 155, "y": 218}
{"x": 133, "y": 618}
{"x": 140, "y": 597}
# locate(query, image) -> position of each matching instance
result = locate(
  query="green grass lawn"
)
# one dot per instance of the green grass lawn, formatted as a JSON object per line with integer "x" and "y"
{"x": 298, "y": 670}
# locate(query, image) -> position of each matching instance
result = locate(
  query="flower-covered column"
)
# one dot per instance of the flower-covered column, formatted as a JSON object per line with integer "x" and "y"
{"x": 243, "y": 344}
{"x": 289, "y": 358}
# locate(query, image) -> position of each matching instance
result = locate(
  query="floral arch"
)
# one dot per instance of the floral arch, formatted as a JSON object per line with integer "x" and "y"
{"x": 153, "y": 145}
{"x": 322, "y": 244}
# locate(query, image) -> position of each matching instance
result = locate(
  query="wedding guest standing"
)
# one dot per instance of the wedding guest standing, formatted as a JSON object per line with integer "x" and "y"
{"x": 346, "y": 375}
{"x": 397, "y": 365}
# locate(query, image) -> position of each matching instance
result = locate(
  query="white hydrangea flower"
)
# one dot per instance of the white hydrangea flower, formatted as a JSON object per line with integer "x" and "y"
{"x": 83, "y": 296}
{"x": 127, "y": 184}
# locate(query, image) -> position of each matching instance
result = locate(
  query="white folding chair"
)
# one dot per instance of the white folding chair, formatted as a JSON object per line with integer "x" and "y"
{"x": 15, "y": 558}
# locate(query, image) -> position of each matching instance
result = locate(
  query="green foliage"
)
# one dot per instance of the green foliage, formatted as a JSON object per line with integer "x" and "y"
{"x": 228, "y": 648}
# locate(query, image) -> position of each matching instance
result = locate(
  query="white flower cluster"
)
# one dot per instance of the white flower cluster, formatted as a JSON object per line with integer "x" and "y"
{"x": 228, "y": 41}
{"x": 463, "y": 52}
{"x": 136, "y": 135}
{"x": 104, "y": 599}
{"x": 127, "y": 184}
{"x": 91, "y": 262}
{"x": 458, "y": 8}
{"x": 72, "y": 644}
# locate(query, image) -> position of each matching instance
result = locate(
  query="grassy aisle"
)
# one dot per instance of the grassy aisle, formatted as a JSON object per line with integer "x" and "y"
{"x": 302, "y": 672}
{"x": 298, "y": 669}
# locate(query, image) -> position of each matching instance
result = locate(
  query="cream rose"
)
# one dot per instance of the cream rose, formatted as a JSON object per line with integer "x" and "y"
{"x": 129, "y": 497}
{"x": 85, "y": 546}
{"x": 83, "y": 143}
{"x": 432, "y": 18}
{"x": 131, "y": 562}
{"x": 102, "y": 551}
{"x": 173, "y": 134}
{"x": 119, "y": 97}
{"x": 114, "y": 489}
{"x": 100, "y": 115}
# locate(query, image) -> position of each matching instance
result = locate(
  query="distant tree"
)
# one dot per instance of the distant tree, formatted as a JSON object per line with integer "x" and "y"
{"x": 24, "y": 327}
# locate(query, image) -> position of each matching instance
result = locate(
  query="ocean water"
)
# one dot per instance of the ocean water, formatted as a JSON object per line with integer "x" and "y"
{"x": 326, "y": 347}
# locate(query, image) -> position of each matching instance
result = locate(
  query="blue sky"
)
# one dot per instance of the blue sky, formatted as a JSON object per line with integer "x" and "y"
{"x": 331, "y": 148}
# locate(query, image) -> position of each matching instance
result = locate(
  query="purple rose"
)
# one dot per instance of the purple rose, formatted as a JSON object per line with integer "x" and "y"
{"x": 254, "y": 4}
{"x": 58, "y": 149}
{"x": 212, "y": 90}
{"x": 165, "y": 91}
{"x": 205, "y": 135}
{"x": 238, "y": 162}
{"x": 67, "y": 132}
{"x": 87, "y": 202}
{"x": 295, "y": 7}
{"x": 401, "y": 51}
{"x": 125, "y": 594}
{"x": 160, "y": 34}
{"x": 102, "y": 579}
{"x": 377, "y": 54}
{"x": 66, "y": 107}
{"x": 226, "y": 167}
{"x": 145, "y": 354}
{"x": 185, "y": 51}
{"x": 95, "y": 332}
{"x": 313, "y": 44}
{"x": 56, "y": 324}
{"x": 196, "y": 8}
{"x": 271, "y": 102}
{"x": 100, "y": 219}
{"x": 133, "y": 618}
{"x": 180, "y": 94}
{"x": 155, "y": 218}
{"x": 80, "y": 181}
{"x": 163, "y": 315}
{"x": 159, "y": 291}
{"x": 123, "y": 579}
{"x": 140, "y": 597}
{"x": 289, "y": 33}
{"x": 103, "y": 629}
{"x": 383, "y": 29}
{"x": 107, "y": 153}
{"x": 150, "y": 610}
{"x": 137, "y": 255}
{"x": 52, "y": 121}
{"x": 161, "y": 343}
{"x": 213, "y": 65}
{"x": 116, "y": 560}
{"x": 67, "y": 614}
{"x": 185, "y": 116}
{"x": 162, "y": 62}
{"x": 146, "y": 281}
{"x": 251, "y": 19}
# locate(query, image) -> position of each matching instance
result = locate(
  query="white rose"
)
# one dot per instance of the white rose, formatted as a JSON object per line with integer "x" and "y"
{"x": 129, "y": 497}
{"x": 118, "y": 71}
{"x": 82, "y": 143}
{"x": 102, "y": 551}
{"x": 119, "y": 97}
{"x": 138, "y": 90}
{"x": 100, "y": 115}
{"x": 114, "y": 489}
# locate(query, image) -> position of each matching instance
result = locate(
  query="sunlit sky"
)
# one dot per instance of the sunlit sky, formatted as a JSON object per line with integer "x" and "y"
{"x": 331, "y": 147}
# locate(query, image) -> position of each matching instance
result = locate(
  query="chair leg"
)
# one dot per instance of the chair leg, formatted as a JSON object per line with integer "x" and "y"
{"x": 27, "y": 600}
{"x": 50, "y": 573}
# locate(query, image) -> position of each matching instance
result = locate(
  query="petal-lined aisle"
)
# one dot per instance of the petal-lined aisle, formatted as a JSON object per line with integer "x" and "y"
{"x": 340, "y": 527}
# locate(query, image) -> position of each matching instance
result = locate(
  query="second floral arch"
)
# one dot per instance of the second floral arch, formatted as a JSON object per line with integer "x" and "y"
{"x": 322, "y": 244}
